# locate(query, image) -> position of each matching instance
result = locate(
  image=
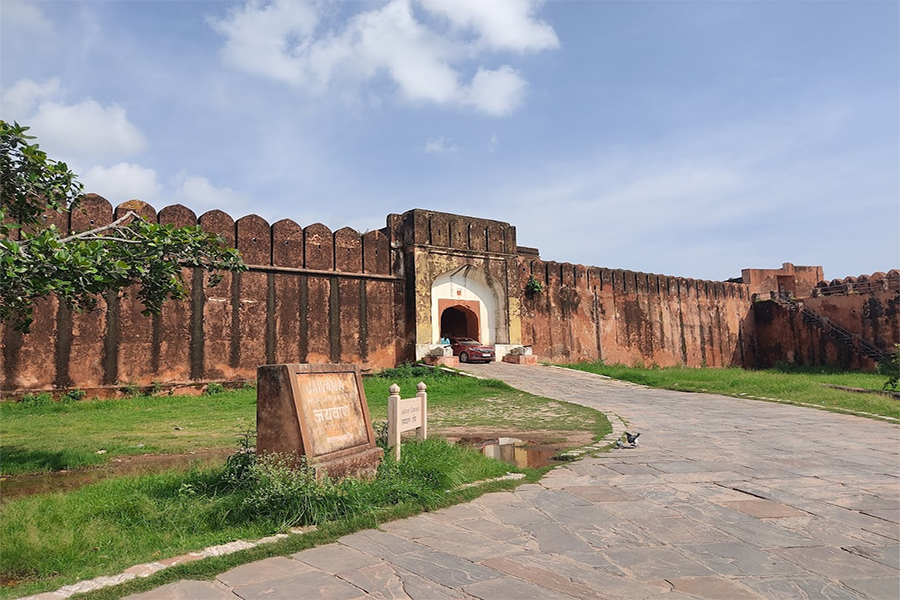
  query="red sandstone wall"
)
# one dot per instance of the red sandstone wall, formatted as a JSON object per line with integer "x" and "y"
{"x": 310, "y": 295}
{"x": 626, "y": 317}
{"x": 781, "y": 334}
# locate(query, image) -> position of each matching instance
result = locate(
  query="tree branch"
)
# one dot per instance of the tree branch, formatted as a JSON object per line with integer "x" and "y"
{"x": 114, "y": 225}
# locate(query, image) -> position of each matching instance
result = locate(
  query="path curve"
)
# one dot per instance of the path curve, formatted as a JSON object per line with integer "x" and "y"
{"x": 723, "y": 498}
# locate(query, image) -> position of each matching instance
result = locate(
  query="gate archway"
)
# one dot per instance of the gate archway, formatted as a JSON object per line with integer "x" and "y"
{"x": 465, "y": 304}
{"x": 459, "y": 321}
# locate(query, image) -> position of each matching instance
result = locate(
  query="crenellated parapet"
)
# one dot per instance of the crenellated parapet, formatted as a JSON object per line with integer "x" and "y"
{"x": 862, "y": 284}
{"x": 282, "y": 245}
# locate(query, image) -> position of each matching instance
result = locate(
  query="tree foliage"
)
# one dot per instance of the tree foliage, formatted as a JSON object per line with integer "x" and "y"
{"x": 38, "y": 260}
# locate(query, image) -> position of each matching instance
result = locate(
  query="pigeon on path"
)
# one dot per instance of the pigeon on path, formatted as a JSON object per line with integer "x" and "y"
{"x": 632, "y": 439}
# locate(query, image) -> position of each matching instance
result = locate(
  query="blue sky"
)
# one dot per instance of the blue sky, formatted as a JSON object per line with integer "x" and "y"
{"x": 684, "y": 138}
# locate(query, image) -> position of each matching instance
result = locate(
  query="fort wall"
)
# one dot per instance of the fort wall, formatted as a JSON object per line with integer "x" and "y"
{"x": 618, "y": 316}
{"x": 310, "y": 295}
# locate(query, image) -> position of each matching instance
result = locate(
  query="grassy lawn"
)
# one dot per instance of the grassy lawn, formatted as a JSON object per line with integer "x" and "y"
{"x": 53, "y": 539}
{"x": 36, "y": 437}
{"x": 795, "y": 385}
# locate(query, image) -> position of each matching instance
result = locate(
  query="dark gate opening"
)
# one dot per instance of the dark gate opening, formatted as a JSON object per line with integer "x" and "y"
{"x": 459, "y": 321}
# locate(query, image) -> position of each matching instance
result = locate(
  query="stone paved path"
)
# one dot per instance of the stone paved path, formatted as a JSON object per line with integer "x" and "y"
{"x": 724, "y": 498}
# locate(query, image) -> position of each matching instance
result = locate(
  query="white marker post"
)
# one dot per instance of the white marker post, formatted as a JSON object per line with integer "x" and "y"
{"x": 406, "y": 414}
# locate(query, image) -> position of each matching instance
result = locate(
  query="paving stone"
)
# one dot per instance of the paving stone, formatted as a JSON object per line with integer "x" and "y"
{"x": 713, "y": 587}
{"x": 764, "y": 509}
{"x": 627, "y": 469}
{"x": 799, "y": 588}
{"x": 379, "y": 544}
{"x": 270, "y": 568}
{"x": 602, "y": 493}
{"x": 555, "y": 539}
{"x": 186, "y": 590}
{"x": 683, "y": 530}
{"x": 548, "y": 578}
{"x": 655, "y": 563}
{"x": 505, "y": 588}
{"x": 888, "y": 514}
{"x": 636, "y": 511}
{"x": 382, "y": 580}
{"x": 568, "y": 577}
{"x": 551, "y": 498}
{"x": 494, "y": 531}
{"x": 867, "y": 502}
{"x": 829, "y": 533}
{"x": 442, "y": 568}
{"x": 335, "y": 558}
{"x": 889, "y": 556}
{"x": 876, "y": 587}
{"x": 421, "y": 526}
{"x": 619, "y": 535}
{"x": 835, "y": 563}
{"x": 473, "y": 547}
{"x": 580, "y": 516}
{"x": 312, "y": 585}
{"x": 732, "y": 558}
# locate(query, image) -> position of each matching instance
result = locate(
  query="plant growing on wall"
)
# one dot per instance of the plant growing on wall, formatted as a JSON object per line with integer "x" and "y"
{"x": 891, "y": 368}
{"x": 38, "y": 260}
{"x": 533, "y": 286}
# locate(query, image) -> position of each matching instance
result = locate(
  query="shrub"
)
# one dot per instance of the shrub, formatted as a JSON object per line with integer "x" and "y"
{"x": 891, "y": 368}
{"x": 44, "y": 399}
{"x": 533, "y": 286}
{"x": 73, "y": 396}
{"x": 214, "y": 388}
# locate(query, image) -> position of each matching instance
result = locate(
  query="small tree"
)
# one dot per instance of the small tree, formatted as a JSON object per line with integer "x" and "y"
{"x": 37, "y": 260}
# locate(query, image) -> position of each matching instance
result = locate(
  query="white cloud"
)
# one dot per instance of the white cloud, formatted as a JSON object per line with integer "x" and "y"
{"x": 19, "y": 100}
{"x": 439, "y": 145}
{"x": 201, "y": 195}
{"x": 496, "y": 93}
{"x": 501, "y": 24}
{"x": 25, "y": 15}
{"x": 259, "y": 37}
{"x": 292, "y": 43}
{"x": 86, "y": 132}
{"x": 122, "y": 182}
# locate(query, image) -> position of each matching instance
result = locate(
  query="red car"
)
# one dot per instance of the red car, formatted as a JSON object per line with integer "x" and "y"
{"x": 469, "y": 350}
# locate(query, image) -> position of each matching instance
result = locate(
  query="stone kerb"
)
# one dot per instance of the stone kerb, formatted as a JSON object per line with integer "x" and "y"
{"x": 406, "y": 415}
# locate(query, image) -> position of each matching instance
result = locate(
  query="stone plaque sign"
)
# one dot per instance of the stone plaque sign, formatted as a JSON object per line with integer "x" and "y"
{"x": 330, "y": 403}
{"x": 405, "y": 415}
{"x": 319, "y": 411}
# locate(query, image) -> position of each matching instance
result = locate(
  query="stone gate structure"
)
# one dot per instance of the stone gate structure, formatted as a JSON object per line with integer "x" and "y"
{"x": 387, "y": 296}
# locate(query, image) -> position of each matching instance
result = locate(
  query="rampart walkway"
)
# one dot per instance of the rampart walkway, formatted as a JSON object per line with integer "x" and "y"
{"x": 724, "y": 498}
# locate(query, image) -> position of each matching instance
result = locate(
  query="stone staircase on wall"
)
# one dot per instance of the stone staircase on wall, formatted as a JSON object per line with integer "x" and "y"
{"x": 854, "y": 342}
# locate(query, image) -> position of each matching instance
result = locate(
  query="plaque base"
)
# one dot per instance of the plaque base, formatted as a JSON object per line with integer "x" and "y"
{"x": 362, "y": 464}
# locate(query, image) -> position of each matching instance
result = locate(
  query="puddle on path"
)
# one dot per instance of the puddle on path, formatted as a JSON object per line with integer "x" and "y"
{"x": 16, "y": 486}
{"x": 515, "y": 451}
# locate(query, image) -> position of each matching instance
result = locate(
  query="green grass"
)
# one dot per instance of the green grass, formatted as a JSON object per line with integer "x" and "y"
{"x": 790, "y": 384}
{"x": 457, "y": 401}
{"x": 42, "y": 437}
{"x": 50, "y": 540}
{"x": 55, "y": 436}
{"x": 55, "y": 539}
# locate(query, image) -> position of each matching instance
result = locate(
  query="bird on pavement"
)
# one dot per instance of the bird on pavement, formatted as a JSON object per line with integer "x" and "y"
{"x": 632, "y": 439}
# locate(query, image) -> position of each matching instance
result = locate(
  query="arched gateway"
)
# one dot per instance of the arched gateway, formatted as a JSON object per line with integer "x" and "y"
{"x": 463, "y": 304}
